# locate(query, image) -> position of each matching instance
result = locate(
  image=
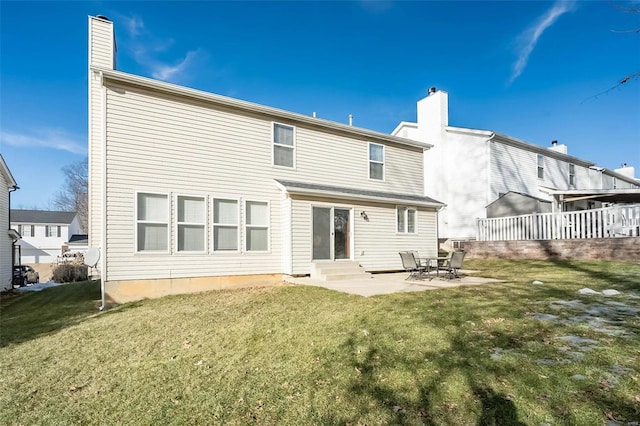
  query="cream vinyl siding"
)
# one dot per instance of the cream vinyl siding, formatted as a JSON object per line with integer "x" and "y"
{"x": 5, "y": 240}
{"x": 170, "y": 144}
{"x": 376, "y": 243}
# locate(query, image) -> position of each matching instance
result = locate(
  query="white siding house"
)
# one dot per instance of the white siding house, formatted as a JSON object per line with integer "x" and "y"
{"x": 471, "y": 169}
{"x": 43, "y": 233}
{"x": 8, "y": 236}
{"x": 191, "y": 191}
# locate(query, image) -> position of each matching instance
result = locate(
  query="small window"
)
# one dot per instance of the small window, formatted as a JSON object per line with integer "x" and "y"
{"x": 283, "y": 145}
{"x": 27, "y": 230}
{"x": 52, "y": 230}
{"x": 406, "y": 220}
{"x": 257, "y": 226}
{"x": 152, "y": 219}
{"x": 572, "y": 174}
{"x": 540, "y": 166}
{"x": 225, "y": 225}
{"x": 376, "y": 161}
{"x": 191, "y": 223}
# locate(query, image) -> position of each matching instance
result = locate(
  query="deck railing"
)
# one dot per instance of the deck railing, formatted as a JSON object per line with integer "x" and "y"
{"x": 608, "y": 222}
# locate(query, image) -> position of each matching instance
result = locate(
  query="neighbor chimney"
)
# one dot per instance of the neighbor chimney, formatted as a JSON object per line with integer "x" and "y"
{"x": 554, "y": 143}
{"x": 102, "y": 43}
{"x": 432, "y": 90}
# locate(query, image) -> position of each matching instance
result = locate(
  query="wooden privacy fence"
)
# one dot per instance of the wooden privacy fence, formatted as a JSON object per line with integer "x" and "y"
{"x": 608, "y": 222}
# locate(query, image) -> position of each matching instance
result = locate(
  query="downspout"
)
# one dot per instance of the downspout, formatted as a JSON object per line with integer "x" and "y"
{"x": 103, "y": 231}
{"x": 13, "y": 243}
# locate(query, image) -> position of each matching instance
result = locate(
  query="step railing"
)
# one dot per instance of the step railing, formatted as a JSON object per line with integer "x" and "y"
{"x": 608, "y": 222}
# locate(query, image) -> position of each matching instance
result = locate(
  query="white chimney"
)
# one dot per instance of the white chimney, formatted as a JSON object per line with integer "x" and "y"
{"x": 433, "y": 115}
{"x": 628, "y": 171}
{"x": 558, "y": 147}
{"x": 102, "y": 43}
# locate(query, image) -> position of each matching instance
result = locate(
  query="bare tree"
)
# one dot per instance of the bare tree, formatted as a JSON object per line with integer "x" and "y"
{"x": 74, "y": 195}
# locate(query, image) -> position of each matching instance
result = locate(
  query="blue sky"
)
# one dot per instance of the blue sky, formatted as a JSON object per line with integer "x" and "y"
{"x": 531, "y": 70}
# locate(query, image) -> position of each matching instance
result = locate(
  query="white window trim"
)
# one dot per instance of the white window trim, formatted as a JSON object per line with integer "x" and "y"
{"x": 176, "y": 223}
{"x": 245, "y": 226}
{"x": 539, "y": 165}
{"x": 214, "y": 224}
{"x": 406, "y": 220}
{"x": 383, "y": 162}
{"x": 274, "y": 144}
{"x": 136, "y": 221}
{"x": 572, "y": 174}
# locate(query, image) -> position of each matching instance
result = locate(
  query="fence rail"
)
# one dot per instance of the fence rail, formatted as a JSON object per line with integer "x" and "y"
{"x": 608, "y": 222}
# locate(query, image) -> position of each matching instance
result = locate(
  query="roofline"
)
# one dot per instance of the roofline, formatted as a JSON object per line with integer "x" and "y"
{"x": 7, "y": 173}
{"x": 595, "y": 191}
{"x": 404, "y": 124}
{"x": 255, "y": 108}
{"x": 344, "y": 196}
{"x": 498, "y": 137}
{"x": 465, "y": 130}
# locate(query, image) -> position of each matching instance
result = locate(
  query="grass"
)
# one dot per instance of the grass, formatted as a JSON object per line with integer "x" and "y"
{"x": 305, "y": 355}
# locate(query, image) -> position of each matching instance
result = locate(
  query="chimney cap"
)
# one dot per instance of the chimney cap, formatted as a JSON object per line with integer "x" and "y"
{"x": 103, "y": 18}
{"x": 554, "y": 143}
{"x": 432, "y": 90}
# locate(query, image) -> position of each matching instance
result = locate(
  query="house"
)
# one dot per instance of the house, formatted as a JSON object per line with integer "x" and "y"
{"x": 481, "y": 173}
{"x": 191, "y": 191}
{"x": 9, "y": 236}
{"x": 43, "y": 233}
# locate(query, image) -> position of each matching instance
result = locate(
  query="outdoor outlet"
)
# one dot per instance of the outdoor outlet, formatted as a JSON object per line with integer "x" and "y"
{"x": 361, "y": 252}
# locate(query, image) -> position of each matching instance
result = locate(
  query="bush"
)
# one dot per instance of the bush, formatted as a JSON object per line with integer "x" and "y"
{"x": 67, "y": 273}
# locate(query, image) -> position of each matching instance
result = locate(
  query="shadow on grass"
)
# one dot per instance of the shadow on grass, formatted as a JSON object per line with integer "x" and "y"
{"x": 484, "y": 385}
{"x": 39, "y": 313}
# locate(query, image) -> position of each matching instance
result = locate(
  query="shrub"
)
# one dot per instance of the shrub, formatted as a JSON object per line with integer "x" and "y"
{"x": 67, "y": 273}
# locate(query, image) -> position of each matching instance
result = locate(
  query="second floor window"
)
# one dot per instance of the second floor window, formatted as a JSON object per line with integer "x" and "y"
{"x": 572, "y": 174}
{"x": 540, "y": 166}
{"x": 376, "y": 161}
{"x": 283, "y": 145}
{"x": 53, "y": 230}
{"x": 26, "y": 230}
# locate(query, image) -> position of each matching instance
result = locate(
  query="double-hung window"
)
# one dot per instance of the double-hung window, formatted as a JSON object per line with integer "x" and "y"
{"x": 256, "y": 226}
{"x": 225, "y": 225}
{"x": 572, "y": 174}
{"x": 152, "y": 222}
{"x": 191, "y": 223}
{"x": 376, "y": 161}
{"x": 27, "y": 230}
{"x": 540, "y": 166}
{"x": 52, "y": 230}
{"x": 283, "y": 145}
{"x": 406, "y": 219}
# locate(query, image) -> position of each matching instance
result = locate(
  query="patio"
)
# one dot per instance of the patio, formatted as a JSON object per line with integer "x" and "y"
{"x": 389, "y": 283}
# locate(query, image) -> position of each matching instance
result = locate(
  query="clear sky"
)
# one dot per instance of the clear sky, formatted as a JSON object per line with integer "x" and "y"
{"x": 530, "y": 70}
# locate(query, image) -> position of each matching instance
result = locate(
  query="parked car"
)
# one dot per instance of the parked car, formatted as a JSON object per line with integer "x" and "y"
{"x": 23, "y": 275}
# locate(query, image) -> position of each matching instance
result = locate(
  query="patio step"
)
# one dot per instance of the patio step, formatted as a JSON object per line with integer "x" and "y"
{"x": 340, "y": 270}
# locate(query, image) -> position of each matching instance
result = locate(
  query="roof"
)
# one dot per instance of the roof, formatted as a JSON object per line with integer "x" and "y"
{"x": 522, "y": 194}
{"x": 352, "y": 193}
{"x": 257, "y": 108}
{"x": 4, "y": 170}
{"x": 80, "y": 239}
{"x": 602, "y": 195}
{"x": 42, "y": 216}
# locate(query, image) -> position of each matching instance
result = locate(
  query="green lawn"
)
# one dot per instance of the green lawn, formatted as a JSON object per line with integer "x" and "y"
{"x": 497, "y": 354}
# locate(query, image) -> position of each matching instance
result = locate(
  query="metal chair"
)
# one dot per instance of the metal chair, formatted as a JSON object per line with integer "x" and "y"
{"x": 453, "y": 264}
{"x": 411, "y": 265}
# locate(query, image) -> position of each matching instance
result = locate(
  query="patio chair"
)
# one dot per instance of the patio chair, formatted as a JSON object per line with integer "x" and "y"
{"x": 411, "y": 265}
{"x": 453, "y": 264}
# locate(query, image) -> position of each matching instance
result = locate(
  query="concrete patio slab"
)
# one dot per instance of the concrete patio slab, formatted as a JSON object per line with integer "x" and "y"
{"x": 389, "y": 283}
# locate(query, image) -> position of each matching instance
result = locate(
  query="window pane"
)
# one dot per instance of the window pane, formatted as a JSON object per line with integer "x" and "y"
{"x": 400, "y": 214}
{"x": 282, "y": 156}
{"x": 376, "y": 171}
{"x": 376, "y": 152}
{"x": 225, "y": 211}
{"x": 152, "y": 207}
{"x": 411, "y": 221}
{"x": 225, "y": 238}
{"x": 191, "y": 209}
{"x": 257, "y": 213}
{"x": 283, "y": 135}
{"x": 257, "y": 239}
{"x": 152, "y": 237}
{"x": 190, "y": 238}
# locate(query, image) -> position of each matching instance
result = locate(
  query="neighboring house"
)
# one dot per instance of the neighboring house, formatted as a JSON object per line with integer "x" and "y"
{"x": 190, "y": 191}
{"x": 480, "y": 173}
{"x": 8, "y": 236}
{"x": 43, "y": 233}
